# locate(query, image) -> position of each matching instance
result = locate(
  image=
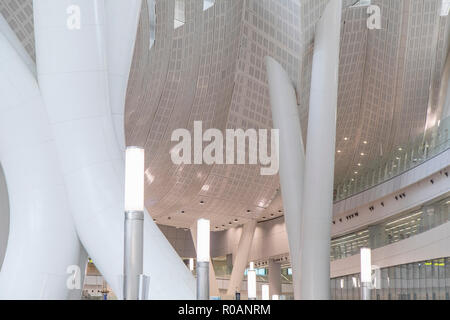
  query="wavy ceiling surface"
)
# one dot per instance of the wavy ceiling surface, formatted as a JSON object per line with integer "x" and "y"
{"x": 211, "y": 69}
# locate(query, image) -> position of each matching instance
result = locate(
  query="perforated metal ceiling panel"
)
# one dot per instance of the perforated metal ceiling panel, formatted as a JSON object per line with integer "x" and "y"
{"x": 211, "y": 69}
{"x": 385, "y": 79}
{"x": 19, "y": 15}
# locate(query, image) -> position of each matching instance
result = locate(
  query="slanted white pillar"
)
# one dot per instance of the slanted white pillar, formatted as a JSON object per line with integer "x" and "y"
{"x": 286, "y": 118}
{"x": 213, "y": 286}
{"x": 77, "y": 97}
{"x": 121, "y": 23}
{"x": 320, "y": 154}
{"x": 274, "y": 278}
{"x": 42, "y": 242}
{"x": 366, "y": 273}
{"x": 241, "y": 260}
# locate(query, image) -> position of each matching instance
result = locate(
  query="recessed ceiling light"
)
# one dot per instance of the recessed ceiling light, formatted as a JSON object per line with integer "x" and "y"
{"x": 356, "y": 172}
{"x": 339, "y": 151}
{"x": 400, "y": 149}
{"x": 363, "y": 154}
{"x": 359, "y": 164}
{"x": 345, "y": 139}
{"x": 365, "y": 142}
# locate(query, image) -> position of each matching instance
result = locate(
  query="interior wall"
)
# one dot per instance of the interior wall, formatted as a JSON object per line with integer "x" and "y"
{"x": 4, "y": 216}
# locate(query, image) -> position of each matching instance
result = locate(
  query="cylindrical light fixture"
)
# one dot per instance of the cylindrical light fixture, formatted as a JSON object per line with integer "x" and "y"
{"x": 366, "y": 273}
{"x": 203, "y": 238}
{"x": 265, "y": 292}
{"x": 134, "y": 179}
{"x": 134, "y": 222}
{"x": 251, "y": 282}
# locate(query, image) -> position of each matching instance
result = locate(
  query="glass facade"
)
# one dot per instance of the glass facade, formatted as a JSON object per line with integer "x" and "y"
{"x": 427, "y": 280}
{"x": 400, "y": 227}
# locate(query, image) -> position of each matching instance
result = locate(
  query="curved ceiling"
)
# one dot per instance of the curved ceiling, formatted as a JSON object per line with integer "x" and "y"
{"x": 211, "y": 69}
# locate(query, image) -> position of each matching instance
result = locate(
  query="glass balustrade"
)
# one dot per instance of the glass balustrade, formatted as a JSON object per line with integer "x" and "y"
{"x": 400, "y": 227}
{"x": 403, "y": 158}
{"x": 426, "y": 280}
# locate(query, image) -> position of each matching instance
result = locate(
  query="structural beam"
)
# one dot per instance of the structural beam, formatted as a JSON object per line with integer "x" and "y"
{"x": 320, "y": 155}
{"x": 274, "y": 278}
{"x": 286, "y": 118}
{"x": 241, "y": 260}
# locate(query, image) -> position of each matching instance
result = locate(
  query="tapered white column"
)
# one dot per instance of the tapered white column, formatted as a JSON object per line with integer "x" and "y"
{"x": 443, "y": 107}
{"x": 265, "y": 292}
{"x": 42, "y": 241}
{"x": 4, "y": 216}
{"x": 366, "y": 273}
{"x": 122, "y": 19}
{"x": 274, "y": 278}
{"x": 292, "y": 158}
{"x": 251, "y": 282}
{"x": 241, "y": 260}
{"x": 213, "y": 286}
{"x": 73, "y": 77}
{"x": 320, "y": 154}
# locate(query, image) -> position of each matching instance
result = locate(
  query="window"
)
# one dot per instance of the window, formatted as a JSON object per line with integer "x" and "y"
{"x": 445, "y": 8}
{"x": 207, "y": 4}
{"x": 152, "y": 21}
{"x": 180, "y": 14}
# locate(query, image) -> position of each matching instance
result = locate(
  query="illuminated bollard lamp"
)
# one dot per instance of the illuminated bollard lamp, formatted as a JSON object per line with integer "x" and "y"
{"x": 135, "y": 283}
{"x": 203, "y": 256}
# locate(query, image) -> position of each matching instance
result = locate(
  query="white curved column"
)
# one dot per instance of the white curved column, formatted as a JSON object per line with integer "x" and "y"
{"x": 286, "y": 118}
{"x": 320, "y": 153}
{"x": 122, "y": 19}
{"x": 444, "y": 93}
{"x": 241, "y": 260}
{"x": 42, "y": 239}
{"x": 73, "y": 76}
{"x": 4, "y": 216}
